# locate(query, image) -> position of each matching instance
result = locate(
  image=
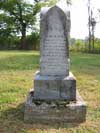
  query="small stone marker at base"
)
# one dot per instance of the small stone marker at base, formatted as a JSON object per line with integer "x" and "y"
{"x": 54, "y": 96}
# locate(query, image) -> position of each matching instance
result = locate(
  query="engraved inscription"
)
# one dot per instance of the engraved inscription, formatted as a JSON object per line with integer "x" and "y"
{"x": 54, "y": 52}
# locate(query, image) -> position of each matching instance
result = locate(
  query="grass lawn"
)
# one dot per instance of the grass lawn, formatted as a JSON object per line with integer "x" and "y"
{"x": 16, "y": 78}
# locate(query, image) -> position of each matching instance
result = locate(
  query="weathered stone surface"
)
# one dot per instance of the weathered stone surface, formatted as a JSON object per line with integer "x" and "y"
{"x": 54, "y": 97}
{"x": 54, "y": 87}
{"x": 72, "y": 112}
{"x": 55, "y": 27}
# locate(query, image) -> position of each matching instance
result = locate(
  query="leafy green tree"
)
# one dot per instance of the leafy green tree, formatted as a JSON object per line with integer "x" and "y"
{"x": 22, "y": 16}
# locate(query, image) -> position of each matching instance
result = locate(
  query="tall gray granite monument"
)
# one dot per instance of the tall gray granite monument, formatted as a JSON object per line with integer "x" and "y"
{"x": 54, "y": 96}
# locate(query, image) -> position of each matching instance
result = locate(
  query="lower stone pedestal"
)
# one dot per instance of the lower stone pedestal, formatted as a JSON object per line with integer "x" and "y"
{"x": 54, "y": 87}
{"x": 60, "y": 111}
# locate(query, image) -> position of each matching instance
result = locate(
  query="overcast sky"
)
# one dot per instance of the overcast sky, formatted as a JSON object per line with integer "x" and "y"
{"x": 79, "y": 18}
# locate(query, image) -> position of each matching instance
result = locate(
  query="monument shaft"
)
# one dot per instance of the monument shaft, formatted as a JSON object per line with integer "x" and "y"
{"x": 54, "y": 43}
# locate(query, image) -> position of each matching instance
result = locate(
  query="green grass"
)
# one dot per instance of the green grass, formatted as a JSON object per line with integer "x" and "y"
{"x": 16, "y": 78}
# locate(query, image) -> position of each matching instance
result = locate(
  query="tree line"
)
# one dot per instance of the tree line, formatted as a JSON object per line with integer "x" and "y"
{"x": 18, "y": 17}
{"x": 82, "y": 45}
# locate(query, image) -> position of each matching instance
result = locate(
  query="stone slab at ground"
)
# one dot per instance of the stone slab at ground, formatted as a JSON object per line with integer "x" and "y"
{"x": 55, "y": 111}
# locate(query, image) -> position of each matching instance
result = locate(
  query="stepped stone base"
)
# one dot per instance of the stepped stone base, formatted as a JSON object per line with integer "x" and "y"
{"x": 60, "y": 111}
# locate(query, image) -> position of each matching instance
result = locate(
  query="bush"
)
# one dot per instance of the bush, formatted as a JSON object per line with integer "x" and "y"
{"x": 32, "y": 41}
{"x": 82, "y": 46}
{"x": 10, "y": 43}
{"x": 13, "y": 42}
{"x": 77, "y": 45}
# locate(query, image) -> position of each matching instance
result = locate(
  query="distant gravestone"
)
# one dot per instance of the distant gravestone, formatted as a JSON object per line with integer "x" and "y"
{"x": 54, "y": 83}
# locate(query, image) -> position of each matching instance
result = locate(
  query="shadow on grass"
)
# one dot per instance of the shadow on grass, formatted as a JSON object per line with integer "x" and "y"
{"x": 12, "y": 120}
{"x": 19, "y": 62}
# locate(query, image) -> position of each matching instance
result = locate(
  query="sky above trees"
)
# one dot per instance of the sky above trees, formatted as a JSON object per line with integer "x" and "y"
{"x": 79, "y": 18}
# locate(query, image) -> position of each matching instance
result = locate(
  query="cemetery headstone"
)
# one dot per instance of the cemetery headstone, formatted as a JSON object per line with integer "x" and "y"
{"x": 54, "y": 85}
